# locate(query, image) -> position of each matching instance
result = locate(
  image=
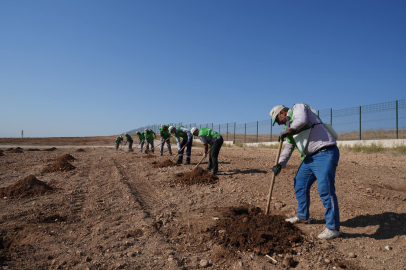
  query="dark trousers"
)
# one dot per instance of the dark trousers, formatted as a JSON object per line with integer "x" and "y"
{"x": 117, "y": 145}
{"x": 214, "y": 154}
{"x": 152, "y": 146}
{"x": 130, "y": 146}
{"x": 188, "y": 150}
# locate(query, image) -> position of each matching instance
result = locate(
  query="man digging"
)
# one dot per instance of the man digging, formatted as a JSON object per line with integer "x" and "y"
{"x": 209, "y": 137}
{"x": 118, "y": 141}
{"x": 149, "y": 138}
{"x": 165, "y": 135}
{"x": 320, "y": 155}
{"x": 129, "y": 139}
{"x": 141, "y": 136}
{"x": 186, "y": 135}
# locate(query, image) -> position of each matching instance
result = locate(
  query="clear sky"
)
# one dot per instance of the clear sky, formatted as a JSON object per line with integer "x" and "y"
{"x": 93, "y": 67}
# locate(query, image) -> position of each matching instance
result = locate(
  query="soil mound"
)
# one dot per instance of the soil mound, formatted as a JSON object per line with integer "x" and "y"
{"x": 1, "y": 154}
{"x": 59, "y": 166}
{"x": 9, "y": 149}
{"x": 33, "y": 149}
{"x": 66, "y": 157}
{"x": 27, "y": 187}
{"x": 244, "y": 229}
{"x": 80, "y": 150}
{"x": 50, "y": 149}
{"x": 162, "y": 164}
{"x": 17, "y": 150}
{"x": 148, "y": 156}
{"x": 196, "y": 176}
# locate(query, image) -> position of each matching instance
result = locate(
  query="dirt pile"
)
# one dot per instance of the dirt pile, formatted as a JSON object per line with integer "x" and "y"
{"x": 50, "y": 149}
{"x": 59, "y": 166}
{"x": 1, "y": 153}
{"x": 66, "y": 157}
{"x": 9, "y": 149}
{"x": 80, "y": 150}
{"x": 27, "y": 187}
{"x": 33, "y": 149}
{"x": 148, "y": 156}
{"x": 245, "y": 229}
{"x": 162, "y": 164}
{"x": 196, "y": 176}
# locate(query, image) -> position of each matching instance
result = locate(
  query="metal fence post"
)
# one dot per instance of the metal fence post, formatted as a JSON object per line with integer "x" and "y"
{"x": 318, "y": 113}
{"x": 245, "y": 134}
{"x": 219, "y": 129}
{"x": 257, "y": 131}
{"x": 331, "y": 116}
{"x": 397, "y": 121}
{"x": 271, "y": 132}
{"x": 212, "y": 126}
{"x": 227, "y": 131}
{"x": 359, "y": 122}
{"x": 234, "y": 133}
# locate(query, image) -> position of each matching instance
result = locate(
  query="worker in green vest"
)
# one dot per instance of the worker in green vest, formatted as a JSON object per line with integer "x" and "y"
{"x": 187, "y": 138}
{"x": 209, "y": 137}
{"x": 141, "y": 136}
{"x": 149, "y": 138}
{"x": 129, "y": 139}
{"x": 118, "y": 141}
{"x": 165, "y": 138}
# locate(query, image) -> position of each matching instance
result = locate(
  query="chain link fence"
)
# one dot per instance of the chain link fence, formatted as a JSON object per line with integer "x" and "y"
{"x": 379, "y": 121}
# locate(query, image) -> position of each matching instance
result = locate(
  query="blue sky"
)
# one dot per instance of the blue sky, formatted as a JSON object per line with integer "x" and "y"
{"x": 89, "y": 68}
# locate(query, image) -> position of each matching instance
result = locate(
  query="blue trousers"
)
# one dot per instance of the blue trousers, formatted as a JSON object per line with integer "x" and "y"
{"x": 188, "y": 150}
{"x": 320, "y": 167}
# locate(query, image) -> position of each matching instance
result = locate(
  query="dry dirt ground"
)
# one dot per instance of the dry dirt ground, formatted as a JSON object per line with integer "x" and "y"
{"x": 114, "y": 210}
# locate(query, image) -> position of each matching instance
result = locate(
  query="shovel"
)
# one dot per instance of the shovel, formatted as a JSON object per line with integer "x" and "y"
{"x": 178, "y": 152}
{"x": 162, "y": 142}
{"x": 273, "y": 178}
{"x": 140, "y": 150}
{"x": 199, "y": 163}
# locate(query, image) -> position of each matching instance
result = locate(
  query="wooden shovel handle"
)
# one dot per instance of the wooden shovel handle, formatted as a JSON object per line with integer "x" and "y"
{"x": 178, "y": 152}
{"x": 199, "y": 162}
{"x": 273, "y": 178}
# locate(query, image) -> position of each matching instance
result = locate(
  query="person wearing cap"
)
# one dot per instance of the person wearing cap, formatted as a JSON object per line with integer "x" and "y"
{"x": 165, "y": 137}
{"x": 118, "y": 141}
{"x": 149, "y": 138}
{"x": 187, "y": 138}
{"x": 320, "y": 155}
{"x": 141, "y": 136}
{"x": 209, "y": 137}
{"x": 129, "y": 139}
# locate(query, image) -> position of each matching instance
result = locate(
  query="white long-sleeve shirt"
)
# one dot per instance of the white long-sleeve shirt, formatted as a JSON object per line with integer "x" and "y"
{"x": 319, "y": 136}
{"x": 189, "y": 135}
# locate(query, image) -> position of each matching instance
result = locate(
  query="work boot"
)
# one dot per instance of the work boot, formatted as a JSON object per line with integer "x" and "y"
{"x": 207, "y": 170}
{"x": 214, "y": 173}
{"x": 297, "y": 220}
{"x": 187, "y": 163}
{"x": 329, "y": 234}
{"x": 178, "y": 162}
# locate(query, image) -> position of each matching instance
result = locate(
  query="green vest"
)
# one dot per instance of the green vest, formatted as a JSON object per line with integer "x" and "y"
{"x": 119, "y": 139}
{"x": 300, "y": 138}
{"x": 149, "y": 136}
{"x": 165, "y": 132}
{"x": 208, "y": 132}
{"x": 129, "y": 138}
{"x": 180, "y": 133}
{"x": 141, "y": 137}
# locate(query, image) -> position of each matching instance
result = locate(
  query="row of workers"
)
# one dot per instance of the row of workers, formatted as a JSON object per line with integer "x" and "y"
{"x": 304, "y": 131}
{"x": 184, "y": 139}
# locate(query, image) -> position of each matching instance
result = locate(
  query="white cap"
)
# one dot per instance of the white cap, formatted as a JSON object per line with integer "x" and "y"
{"x": 146, "y": 129}
{"x": 193, "y": 129}
{"x": 125, "y": 134}
{"x": 170, "y": 128}
{"x": 275, "y": 111}
{"x": 162, "y": 125}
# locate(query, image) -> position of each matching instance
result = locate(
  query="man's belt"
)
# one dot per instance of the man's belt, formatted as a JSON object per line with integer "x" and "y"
{"x": 324, "y": 148}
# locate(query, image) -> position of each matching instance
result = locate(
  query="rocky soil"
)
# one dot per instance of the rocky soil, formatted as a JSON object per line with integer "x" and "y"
{"x": 121, "y": 210}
